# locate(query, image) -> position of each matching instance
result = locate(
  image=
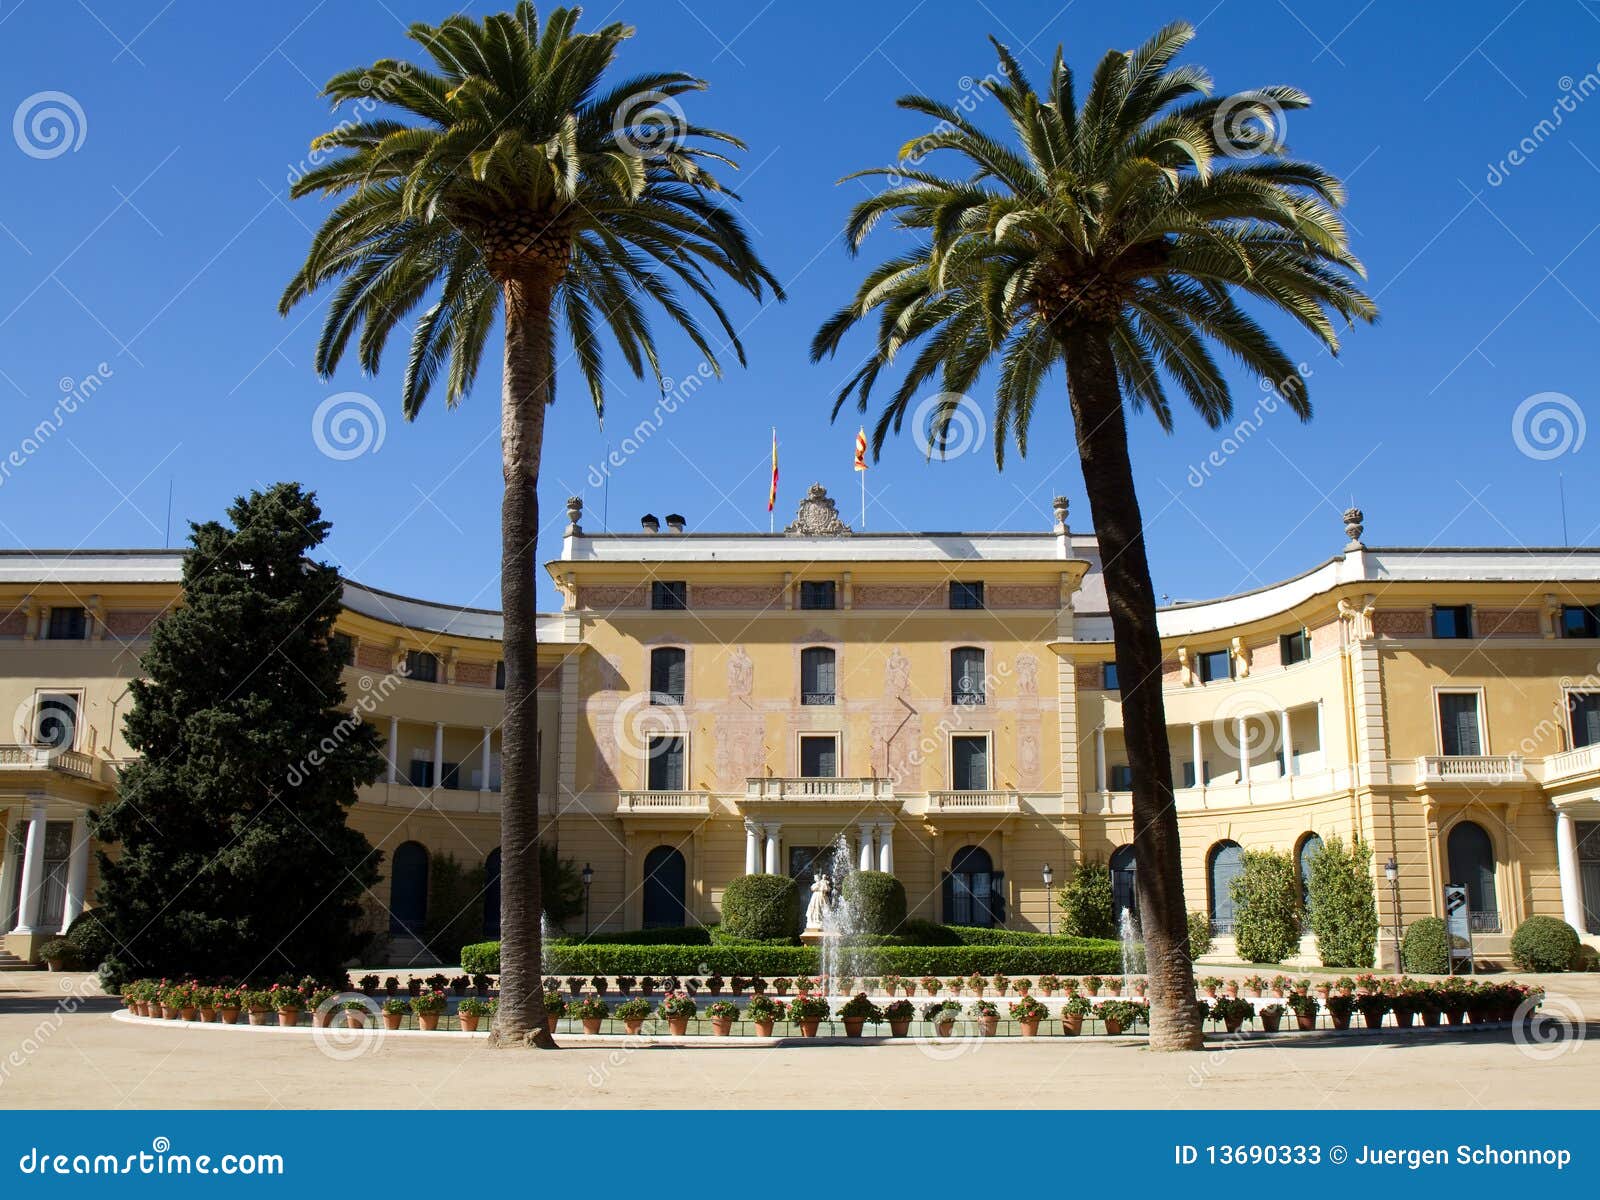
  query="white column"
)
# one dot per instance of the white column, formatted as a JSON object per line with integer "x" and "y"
{"x": 77, "y": 874}
{"x": 1100, "y": 759}
{"x": 394, "y": 745}
{"x": 1243, "y": 735}
{"x": 1288, "y": 746}
{"x": 772, "y": 848}
{"x": 864, "y": 862}
{"x": 438, "y": 754}
{"x": 32, "y": 870}
{"x": 1322, "y": 739}
{"x": 1199, "y": 761}
{"x": 488, "y": 758}
{"x": 1567, "y": 864}
{"x": 752, "y": 848}
{"x": 886, "y": 847}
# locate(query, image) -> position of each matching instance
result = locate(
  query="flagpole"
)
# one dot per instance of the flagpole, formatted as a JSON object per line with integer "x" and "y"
{"x": 863, "y": 475}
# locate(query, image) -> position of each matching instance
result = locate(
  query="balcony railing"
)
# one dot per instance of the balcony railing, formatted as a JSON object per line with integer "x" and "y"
{"x": 47, "y": 758}
{"x": 663, "y": 802}
{"x": 1569, "y": 764}
{"x": 804, "y": 789}
{"x": 1470, "y": 768}
{"x": 979, "y": 802}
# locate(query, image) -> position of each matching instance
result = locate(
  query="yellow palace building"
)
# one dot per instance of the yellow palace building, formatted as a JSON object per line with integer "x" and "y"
{"x": 946, "y": 703}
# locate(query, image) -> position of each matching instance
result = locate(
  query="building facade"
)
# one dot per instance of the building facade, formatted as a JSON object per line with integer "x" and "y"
{"x": 946, "y": 704}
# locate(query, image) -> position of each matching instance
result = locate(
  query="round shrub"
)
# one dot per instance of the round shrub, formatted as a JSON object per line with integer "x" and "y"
{"x": 1544, "y": 944}
{"x": 1200, "y": 939}
{"x": 1425, "y": 949}
{"x": 876, "y": 899}
{"x": 91, "y": 940}
{"x": 1266, "y": 897}
{"x": 760, "y": 907}
{"x": 1086, "y": 903}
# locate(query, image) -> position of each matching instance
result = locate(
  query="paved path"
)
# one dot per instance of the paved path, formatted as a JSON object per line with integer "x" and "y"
{"x": 60, "y": 1047}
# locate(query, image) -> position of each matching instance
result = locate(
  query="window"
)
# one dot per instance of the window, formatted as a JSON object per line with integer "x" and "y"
{"x": 818, "y": 672}
{"x": 408, "y": 889}
{"x": 819, "y": 756}
{"x": 1310, "y": 844}
{"x": 67, "y": 624}
{"x": 969, "y": 763}
{"x": 421, "y": 774}
{"x": 666, "y": 764}
{"x": 816, "y": 593}
{"x": 966, "y": 675}
{"x": 1216, "y": 664}
{"x": 451, "y": 776}
{"x": 55, "y": 720}
{"x": 1584, "y": 708}
{"x": 343, "y": 647}
{"x": 1459, "y": 731}
{"x": 966, "y": 595}
{"x": 422, "y": 666}
{"x": 1580, "y": 621}
{"x": 1226, "y": 863}
{"x": 974, "y": 892}
{"x": 1294, "y": 648}
{"x": 667, "y": 675}
{"x": 1472, "y": 866}
{"x": 500, "y": 675}
{"x": 1121, "y": 777}
{"x": 669, "y": 594}
{"x": 1452, "y": 620}
{"x": 1124, "y": 897}
{"x": 1108, "y": 677}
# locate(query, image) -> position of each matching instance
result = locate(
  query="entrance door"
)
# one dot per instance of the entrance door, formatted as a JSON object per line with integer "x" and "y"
{"x": 408, "y": 889}
{"x": 53, "y": 883}
{"x": 1589, "y": 873}
{"x": 666, "y": 880}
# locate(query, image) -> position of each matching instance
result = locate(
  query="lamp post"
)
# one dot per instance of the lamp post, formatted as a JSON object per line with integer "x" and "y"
{"x": 1049, "y": 900}
{"x": 1391, "y": 872}
{"x": 588, "y": 879}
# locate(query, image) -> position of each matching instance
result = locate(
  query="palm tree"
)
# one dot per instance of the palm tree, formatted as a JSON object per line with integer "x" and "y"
{"x": 512, "y": 177}
{"x": 1115, "y": 239}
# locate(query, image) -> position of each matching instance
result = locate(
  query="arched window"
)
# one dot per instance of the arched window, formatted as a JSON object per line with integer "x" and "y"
{"x": 1224, "y": 864}
{"x": 1310, "y": 843}
{"x": 818, "y": 675}
{"x": 1123, "y": 896}
{"x": 408, "y": 889}
{"x": 491, "y": 894}
{"x": 966, "y": 675}
{"x": 667, "y": 675}
{"x": 1472, "y": 865}
{"x": 666, "y": 878}
{"x": 974, "y": 892}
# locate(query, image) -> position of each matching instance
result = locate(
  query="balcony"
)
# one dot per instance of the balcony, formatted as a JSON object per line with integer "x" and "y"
{"x": 1470, "y": 768}
{"x": 663, "y": 803}
{"x": 811, "y": 790}
{"x": 47, "y": 758}
{"x": 1572, "y": 764}
{"x": 974, "y": 802}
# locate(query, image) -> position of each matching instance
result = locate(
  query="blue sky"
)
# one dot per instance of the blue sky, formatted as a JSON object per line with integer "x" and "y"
{"x": 159, "y": 242}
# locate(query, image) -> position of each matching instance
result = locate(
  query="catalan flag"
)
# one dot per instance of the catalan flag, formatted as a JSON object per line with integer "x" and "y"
{"x": 861, "y": 449}
{"x": 772, "y": 495}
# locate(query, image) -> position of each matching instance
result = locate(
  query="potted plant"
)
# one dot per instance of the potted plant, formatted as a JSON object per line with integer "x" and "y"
{"x": 765, "y": 1012}
{"x": 632, "y": 1013}
{"x": 552, "y": 984}
{"x": 598, "y": 984}
{"x": 976, "y": 983}
{"x": 1230, "y": 987}
{"x": 1280, "y": 986}
{"x": 891, "y": 984}
{"x": 677, "y": 1008}
{"x": 555, "y": 1006}
{"x": 714, "y": 984}
{"x": 1402, "y": 1003}
{"x": 1344, "y": 985}
{"x": 227, "y": 1002}
{"x": 782, "y": 984}
{"x": 185, "y": 1001}
{"x": 354, "y": 1013}
{"x": 930, "y": 985}
{"x": 1208, "y": 985}
{"x": 413, "y": 986}
{"x": 394, "y": 1011}
{"x": 1429, "y": 1005}
{"x": 1049, "y": 983}
{"x": 321, "y": 1007}
{"x": 871, "y": 984}
{"x": 987, "y": 1014}
{"x": 288, "y": 1000}
{"x": 1027, "y": 1013}
{"x": 955, "y": 985}
{"x": 942, "y": 1014}
{"x": 205, "y": 999}
{"x": 1271, "y": 1016}
{"x": 469, "y": 1012}
{"x": 1253, "y": 985}
{"x": 899, "y": 1013}
{"x": 458, "y": 984}
{"x": 429, "y": 1005}
{"x": 856, "y": 1011}
{"x": 575, "y": 985}
{"x": 369, "y": 985}
{"x": 1111, "y": 985}
{"x": 1118, "y": 1015}
{"x": 1091, "y": 985}
{"x": 1070, "y": 985}
{"x": 1339, "y": 1006}
{"x": 803, "y": 984}
{"x": 1001, "y": 983}
{"x": 258, "y": 1004}
{"x": 1304, "y": 1006}
{"x": 1072, "y": 1014}
{"x": 723, "y": 1014}
{"x": 1022, "y": 986}
{"x": 758, "y": 985}
{"x": 1232, "y": 1012}
{"x": 647, "y": 984}
{"x": 591, "y": 1010}
{"x": 808, "y": 1012}
{"x": 57, "y": 953}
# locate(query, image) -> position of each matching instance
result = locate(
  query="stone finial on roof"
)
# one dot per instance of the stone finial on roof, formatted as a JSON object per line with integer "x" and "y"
{"x": 574, "y": 514}
{"x": 1353, "y": 527}
{"x": 1059, "y": 504}
{"x": 818, "y": 516}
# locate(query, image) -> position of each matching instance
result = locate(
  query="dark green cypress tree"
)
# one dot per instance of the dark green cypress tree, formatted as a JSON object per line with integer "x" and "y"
{"x": 234, "y": 855}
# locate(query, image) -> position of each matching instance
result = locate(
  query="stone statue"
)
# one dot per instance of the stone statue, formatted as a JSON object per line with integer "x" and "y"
{"x": 821, "y": 889}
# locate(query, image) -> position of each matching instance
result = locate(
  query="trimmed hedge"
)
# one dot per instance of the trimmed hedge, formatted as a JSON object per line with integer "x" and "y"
{"x": 1086, "y": 903}
{"x": 1425, "y": 949}
{"x": 760, "y": 907}
{"x": 1266, "y": 897}
{"x": 876, "y": 899}
{"x": 1344, "y": 912}
{"x": 1061, "y": 957}
{"x": 681, "y": 935}
{"x": 1544, "y": 944}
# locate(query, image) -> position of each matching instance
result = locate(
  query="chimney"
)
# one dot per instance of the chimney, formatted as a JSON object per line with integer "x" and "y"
{"x": 675, "y": 522}
{"x": 649, "y": 523}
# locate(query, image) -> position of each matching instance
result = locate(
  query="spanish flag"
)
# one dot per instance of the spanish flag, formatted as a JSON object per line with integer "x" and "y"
{"x": 861, "y": 449}
{"x": 772, "y": 495}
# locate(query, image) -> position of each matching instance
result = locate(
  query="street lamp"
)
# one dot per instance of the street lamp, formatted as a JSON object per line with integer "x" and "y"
{"x": 588, "y": 879}
{"x": 1049, "y": 900}
{"x": 1391, "y": 872}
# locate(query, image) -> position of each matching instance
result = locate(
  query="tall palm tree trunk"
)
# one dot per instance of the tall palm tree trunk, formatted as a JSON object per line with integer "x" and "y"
{"x": 529, "y": 379}
{"x": 1102, "y": 436}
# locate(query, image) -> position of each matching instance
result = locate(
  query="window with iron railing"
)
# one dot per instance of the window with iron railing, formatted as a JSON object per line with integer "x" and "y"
{"x": 818, "y": 675}
{"x": 967, "y": 684}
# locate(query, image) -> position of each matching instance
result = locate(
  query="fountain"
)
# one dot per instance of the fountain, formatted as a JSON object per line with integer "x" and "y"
{"x": 1132, "y": 949}
{"x": 830, "y": 925}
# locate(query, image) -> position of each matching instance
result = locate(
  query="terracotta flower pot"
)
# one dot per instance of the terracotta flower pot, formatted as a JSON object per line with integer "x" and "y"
{"x": 1430, "y": 1016}
{"x": 1340, "y": 1020}
{"x": 1374, "y": 1020}
{"x": 1404, "y": 1018}
{"x": 229, "y": 1015}
{"x": 944, "y": 1028}
{"x": 207, "y": 1013}
{"x": 809, "y": 1028}
{"x": 1456, "y": 1016}
{"x": 678, "y": 1026}
{"x": 428, "y": 1021}
{"x": 1113, "y": 1026}
{"x": 591, "y": 1024}
{"x": 763, "y": 1029}
{"x": 1029, "y": 1028}
{"x": 1270, "y": 1021}
{"x": 1072, "y": 1024}
{"x": 355, "y": 1018}
{"x": 634, "y": 1024}
{"x": 1230, "y": 989}
{"x": 722, "y": 1026}
{"x": 391, "y": 1021}
{"x": 899, "y": 1028}
{"x": 288, "y": 1016}
{"x": 550, "y": 1020}
{"x": 258, "y": 1016}
{"x": 988, "y": 1026}
{"x": 189, "y": 1013}
{"x": 852, "y": 1026}
{"x": 1231, "y": 1024}
{"x": 1211, "y": 992}
{"x": 1049, "y": 991}
{"x": 1480, "y": 1016}
{"x": 168, "y": 1013}
{"x": 1306, "y": 1021}
{"x": 321, "y": 1020}
{"x": 909, "y": 989}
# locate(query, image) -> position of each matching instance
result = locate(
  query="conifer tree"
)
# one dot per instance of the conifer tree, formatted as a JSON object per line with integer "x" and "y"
{"x": 233, "y": 857}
